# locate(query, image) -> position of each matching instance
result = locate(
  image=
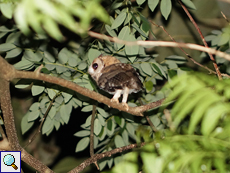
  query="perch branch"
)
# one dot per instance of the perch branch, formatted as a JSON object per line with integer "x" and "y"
{"x": 84, "y": 91}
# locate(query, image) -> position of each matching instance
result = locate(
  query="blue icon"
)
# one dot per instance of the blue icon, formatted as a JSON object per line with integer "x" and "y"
{"x": 9, "y": 160}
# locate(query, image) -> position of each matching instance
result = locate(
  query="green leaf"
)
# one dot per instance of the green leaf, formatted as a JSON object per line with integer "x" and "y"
{"x": 49, "y": 56}
{"x": 117, "y": 119}
{"x": 139, "y": 30}
{"x": 25, "y": 125}
{"x": 51, "y": 93}
{"x": 152, "y": 163}
{"x": 33, "y": 115}
{"x": 224, "y": 39}
{"x": 189, "y": 4}
{"x": 128, "y": 18}
{"x": 102, "y": 112}
{"x": 20, "y": 18}
{"x": 125, "y": 137}
{"x": 7, "y": 10}
{"x": 67, "y": 96}
{"x": 119, "y": 20}
{"x": 63, "y": 56}
{"x": 47, "y": 126}
{"x": 82, "y": 133}
{"x": 23, "y": 64}
{"x": 52, "y": 28}
{"x": 131, "y": 50}
{"x": 92, "y": 54}
{"x": 88, "y": 108}
{"x": 212, "y": 117}
{"x": 203, "y": 104}
{"x": 52, "y": 112}
{"x": 128, "y": 163}
{"x": 82, "y": 144}
{"x": 149, "y": 85}
{"x": 31, "y": 56}
{"x": 101, "y": 119}
{"x": 65, "y": 111}
{"x": 6, "y": 47}
{"x": 13, "y": 53}
{"x": 166, "y": 7}
{"x": 177, "y": 59}
{"x": 124, "y": 33}
{"x": 131, "y": 130}
{"x": 152, "y": 4}
{"x": 110, "y": 127}
{"x": 34, "y": 106}
{"x": 110, "y": 31}
{"x": 61, "y": 69}
{"x": 158, "y": 68}
{"x": 146, "y": 67}
{"x": 82, "y": 66}
{"x": 119, "y": 141}
{"x": 139, "y": 2}
{"x": 97, "y": 127}
{"x": 72, "y": 62}
{"x": 36, "y": 90}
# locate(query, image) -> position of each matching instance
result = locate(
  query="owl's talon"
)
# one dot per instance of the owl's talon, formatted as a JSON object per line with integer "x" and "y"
{"x": 114, "y": 100}
{"x": 126, "y": 106}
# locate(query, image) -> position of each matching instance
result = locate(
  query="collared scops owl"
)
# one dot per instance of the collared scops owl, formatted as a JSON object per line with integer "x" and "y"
{"x": 115, "y": 77}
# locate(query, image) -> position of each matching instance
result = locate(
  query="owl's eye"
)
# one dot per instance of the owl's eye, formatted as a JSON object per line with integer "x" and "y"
{"x": 95, "y": 65}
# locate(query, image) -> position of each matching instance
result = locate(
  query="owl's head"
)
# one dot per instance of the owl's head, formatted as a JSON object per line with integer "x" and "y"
{"x": 99, "y": 63}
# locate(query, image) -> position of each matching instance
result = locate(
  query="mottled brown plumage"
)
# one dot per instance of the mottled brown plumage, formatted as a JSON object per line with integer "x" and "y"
{"x": 115, "y": 77}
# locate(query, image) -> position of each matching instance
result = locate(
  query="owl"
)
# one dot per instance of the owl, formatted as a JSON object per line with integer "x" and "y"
{"x": 115, "y": 77}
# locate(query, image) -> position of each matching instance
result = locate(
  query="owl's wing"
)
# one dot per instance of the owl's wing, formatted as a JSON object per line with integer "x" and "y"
{"x": 119, "y": 76}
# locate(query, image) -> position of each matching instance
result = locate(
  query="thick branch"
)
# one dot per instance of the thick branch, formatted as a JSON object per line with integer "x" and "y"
{"x": 8, "y": 116}
{"x": 6, "y": 74}
{"x": 84, "y": 91}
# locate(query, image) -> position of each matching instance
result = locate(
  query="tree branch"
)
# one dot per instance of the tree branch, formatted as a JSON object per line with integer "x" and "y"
{"x": 161, "y": 44}
{"x": 7, "y": 72}
{"x": 103, "y": 155}
{"x": 84, "y": 91}
{"x": 202, "y": 38}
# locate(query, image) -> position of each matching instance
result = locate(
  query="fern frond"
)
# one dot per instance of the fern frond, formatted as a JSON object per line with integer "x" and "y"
{"x": 201, "y": 98}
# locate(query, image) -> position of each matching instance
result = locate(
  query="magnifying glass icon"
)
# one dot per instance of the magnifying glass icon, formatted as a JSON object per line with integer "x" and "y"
{"x": 9, "y": 160}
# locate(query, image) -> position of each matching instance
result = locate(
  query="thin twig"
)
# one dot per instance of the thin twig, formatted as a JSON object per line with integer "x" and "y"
{"x": 42, "y": 121}
{"x": 188, "y": 56}
{"x": 103, "y": 155}
{"x": 148, "y": 119}
{"x": 202, "y": 38}
{"x": 225, "y": 17}
{"x": 92, "y": 135}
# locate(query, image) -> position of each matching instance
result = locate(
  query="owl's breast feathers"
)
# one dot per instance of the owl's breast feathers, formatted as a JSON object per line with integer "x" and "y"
{"x": 119, "y": 76}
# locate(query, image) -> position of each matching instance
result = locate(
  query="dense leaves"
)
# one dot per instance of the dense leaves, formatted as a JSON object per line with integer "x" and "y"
{"x": 193, "y": 125}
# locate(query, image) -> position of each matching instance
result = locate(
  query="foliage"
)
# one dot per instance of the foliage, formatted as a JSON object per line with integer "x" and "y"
{"x": 196, "y": 137}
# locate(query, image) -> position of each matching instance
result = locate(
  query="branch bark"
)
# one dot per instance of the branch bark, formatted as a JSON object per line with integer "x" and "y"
{"x": 161, "y": 44}
{"x": 138, "y": 111}
{"x": 7, "y": 72}
{"x": 103, "y": 155}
